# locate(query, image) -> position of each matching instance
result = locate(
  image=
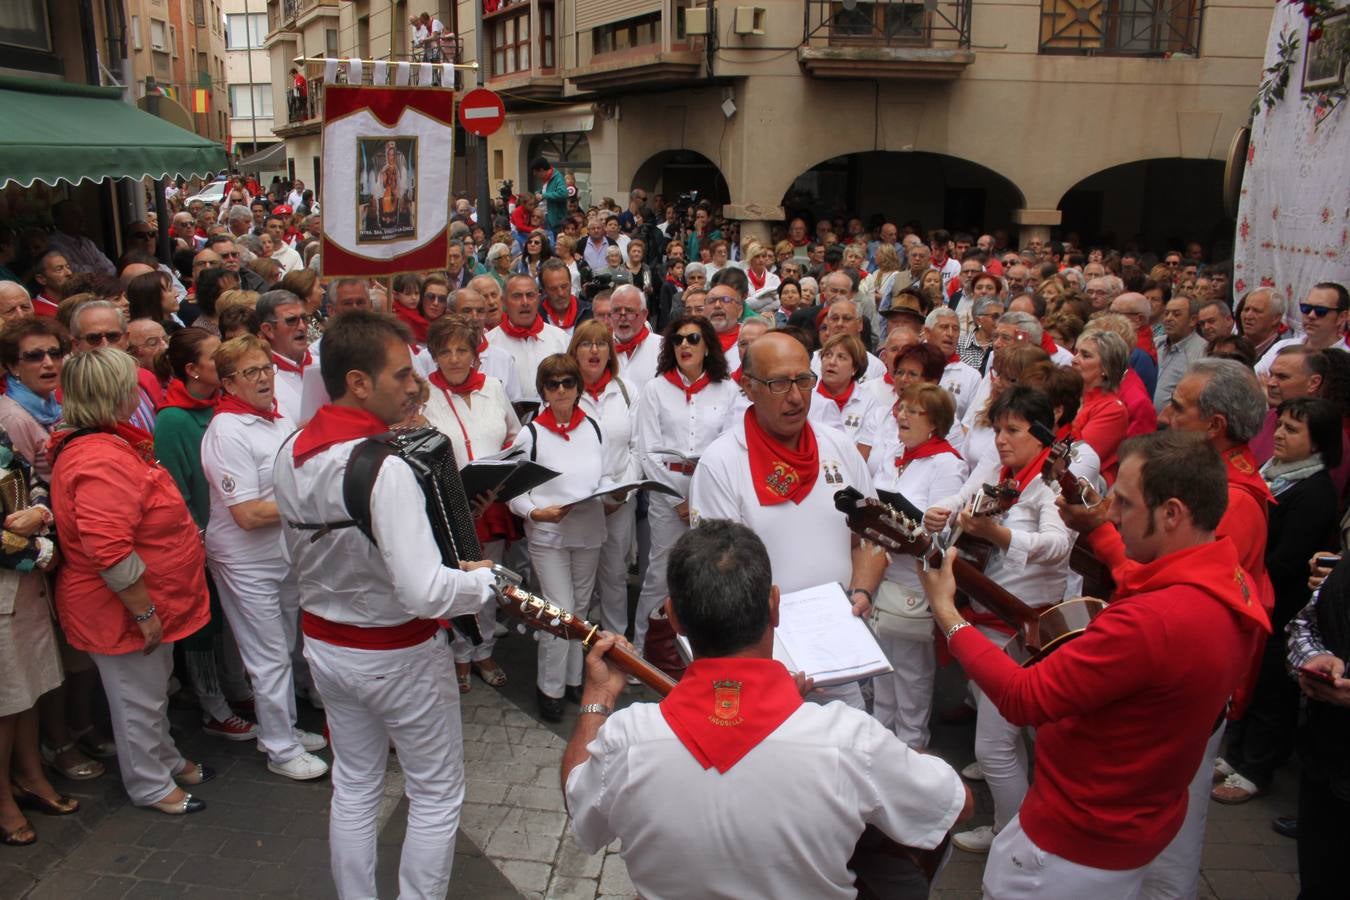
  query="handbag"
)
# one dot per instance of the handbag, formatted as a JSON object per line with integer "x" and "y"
{"x": 901, "y": 613}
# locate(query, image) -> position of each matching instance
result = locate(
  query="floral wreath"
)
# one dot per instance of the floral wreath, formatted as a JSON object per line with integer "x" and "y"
{"x": 1275, "y": 79}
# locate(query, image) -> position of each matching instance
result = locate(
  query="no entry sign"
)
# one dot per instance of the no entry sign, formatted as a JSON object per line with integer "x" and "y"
{"x": 481, "y": 112}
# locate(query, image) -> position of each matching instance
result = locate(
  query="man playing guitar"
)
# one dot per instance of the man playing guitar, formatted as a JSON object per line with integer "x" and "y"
{"x": 1124, "y": 711}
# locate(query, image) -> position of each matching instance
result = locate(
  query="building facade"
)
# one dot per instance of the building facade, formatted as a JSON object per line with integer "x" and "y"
{"x": 248, "y": 76}
{"x": 178, "y": 46}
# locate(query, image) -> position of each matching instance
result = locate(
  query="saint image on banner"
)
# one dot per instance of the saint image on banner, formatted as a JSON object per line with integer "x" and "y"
{"x": 386, "y": 193}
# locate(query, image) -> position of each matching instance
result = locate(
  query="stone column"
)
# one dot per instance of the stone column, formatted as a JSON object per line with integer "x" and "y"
{"x": 756, "y": 219}
{"x": 1035, "y": 223}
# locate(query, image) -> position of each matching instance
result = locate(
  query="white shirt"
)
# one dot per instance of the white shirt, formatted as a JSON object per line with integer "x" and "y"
{"x": 579, "y": 460}
{"x": 594, "y": 253}
{"x": 962, "y": 381}
{"x": 290, "y": 260}
{"x": 666, "y": 421}
{"x": 950, "y": 269}
{"x": 922, "y": 482}
{"x": 1263, "y": 364}
{"x": 639, "y": 367}
{"x": 876, "y": 369}
{"x": 483, "y": 425}
{"x": 764, "y": 299}
{"x": 290, "y": 388}
{"x": 237, "y": 455}
{"x": 1061, "y": 357}
{"x": 294, "y": 199}
{"x": 782, "y": 822}
{"x": 528, "y": 353}
{"x": 343, "y": 577}
{"x": 616, "y": 413}
{"x": 856, "y": 417}
{"x": 722, "y": 489}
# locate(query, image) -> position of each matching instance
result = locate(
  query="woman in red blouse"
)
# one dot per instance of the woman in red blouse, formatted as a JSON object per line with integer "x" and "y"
{"x": 1102, "y": 357}
{"x": 133, "y": 576}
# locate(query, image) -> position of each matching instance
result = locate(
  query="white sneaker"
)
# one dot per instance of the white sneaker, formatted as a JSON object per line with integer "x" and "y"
{"x": 977, "y": 840}
{"x": 973, "y": 772}
{"x": 304, "y": 767}
{"x": 309, "y": 740}
{"x": 1222, "y": 769}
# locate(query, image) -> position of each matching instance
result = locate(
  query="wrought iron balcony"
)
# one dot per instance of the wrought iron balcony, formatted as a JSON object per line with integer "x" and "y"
{"x": 929, "y": 39}
{"x": 1152, "y": 28}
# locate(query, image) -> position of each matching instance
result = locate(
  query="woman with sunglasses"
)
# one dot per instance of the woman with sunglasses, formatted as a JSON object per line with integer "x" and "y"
{"x": 244, "y": 550}
{"x": 563, "y": 531}
{"x": 683, "y": 409}
{"x": 537, "y": 249}
{"x": 32, "y": 351}
{"x": 435, "y": 299}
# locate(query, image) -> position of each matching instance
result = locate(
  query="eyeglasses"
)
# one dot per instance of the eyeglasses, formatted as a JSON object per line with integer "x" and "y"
{"x": 436, "y": 298}
{"x": 149, "y": 342}
{"x": 1312, "y": 309}
{"x": 721, "y": 301}
{"x": 37, "y": 356}
{"x": 98, "y": 338}
{"x": 254, "y": 373}
{"x": 593, "y": 345}
{"x": 560, "y": 384}
{"x": 234, "y": 255}
{"x": 803, "y": 383}
{"x": 292, "y": 321}
{"x": 693, "y": 339}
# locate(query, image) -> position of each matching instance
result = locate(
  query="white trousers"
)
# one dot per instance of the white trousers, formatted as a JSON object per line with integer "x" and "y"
{"x": 667, "y": 528}
{"x": 566, "y": 577}
{"x": 137, "y": 688}
{"x": 903, "y": 700}
{"x": 1175, "y": 873}
{"x": 463, "y": 648}
{"x": 262, "y": 605}
{"x": 1018, "y": 869}
{"x": 1001, "y": 752}
{"x": 611, "y": 580}
{"x": 409, "y": 696}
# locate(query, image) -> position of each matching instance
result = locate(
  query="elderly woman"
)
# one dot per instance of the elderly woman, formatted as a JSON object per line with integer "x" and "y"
{"x": 304, "y": 283}
{"x": 614, "y": 267}
{"x": 763, "y": 297}
{"x": 1133, "y": 388}
{"x": 244, "y": 550}
{"x": 639, "y": 273}
{"x": 1103, "y": 420}
{"x": 498, "y": 261}
{"x": 839, "y": 404}
{"x": 132, "y": 579}
{"x": 563, "y": 531}
{"x": 611, "y": 403}
{"x": 911, "y": 457}
{"x": 682, "y": 410}
{"x": 474, "y": 412}
{"x": 976, "y": 345}
{"x": 790, "y": 300}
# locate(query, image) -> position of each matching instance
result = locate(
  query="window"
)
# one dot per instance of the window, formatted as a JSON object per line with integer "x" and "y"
{"x": 23, "y": 23}
{"x": 511, "y": 44}
{"x": 159, "y": 36}
{"x": 245, "y": 32}
{"x": 330, "y": 42}
{"x": 624, "y": 35}
{"x": 251, "y": 101}
{"x": 136, "y": 33}
{"x": 173, "y": 40}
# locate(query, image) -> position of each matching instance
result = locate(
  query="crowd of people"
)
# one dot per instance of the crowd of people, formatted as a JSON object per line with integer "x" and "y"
{"x": 176, "y": 435}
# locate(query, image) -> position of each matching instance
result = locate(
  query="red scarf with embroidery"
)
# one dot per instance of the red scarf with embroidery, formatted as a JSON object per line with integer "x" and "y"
{"x": 728, "y": 338}
{"x": 757, "y": 282}
{"x": 510, "y": 329}
{"x": 232, "y": 405}
{"x": 286, "y": 365}
{"x": 563, "y": 430}
{"x": 725, "y": 707}
{"x": 632, "y": 343}
{"x": 415, "y": 320}
{"x": 597, "y": 388}
{"x": 781, "y": 473}
{"x": 473, "y": 383}
{"x": 179, "y": 397}
{"x": 690, "y": 390}
{"x": 140, "y": 440}
{"x": 1212, "y": 568}
{"x": 1245, "y": 473}
{"x": 934, "y": 446}
{"x": 562, "y": 320}
{"x": 839, "y": 399}
{"x": 331, "y": 425}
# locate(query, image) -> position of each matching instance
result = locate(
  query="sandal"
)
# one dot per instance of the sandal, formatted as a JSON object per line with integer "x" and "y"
{"x": 462, "y": 677}
{"x": 82, "y": 771}
{"x": 23, "y": 836}
{"x": 26, "y": 799}
{"x": 94, "y": 744}
{"x": 489, "y": 671}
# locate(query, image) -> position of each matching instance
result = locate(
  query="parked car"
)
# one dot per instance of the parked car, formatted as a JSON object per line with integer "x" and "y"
{"x": 213, "y": 193}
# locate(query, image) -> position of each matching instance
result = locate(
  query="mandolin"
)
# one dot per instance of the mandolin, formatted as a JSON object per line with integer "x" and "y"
{"x": 1038, "y": 631}
{"x": 537, "y": 613}
{"x": 1097, "y": 579}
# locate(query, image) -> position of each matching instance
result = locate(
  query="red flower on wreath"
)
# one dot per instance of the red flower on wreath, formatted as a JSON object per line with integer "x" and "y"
{"x": 1251, "y": 154}
{"x": 1326, "y": 215}
{"x": 1245, "y": 228}
{"x": 1275, "y": 214}
{"x": 1267, "y": 281}
{"x": 1241, "y": 285}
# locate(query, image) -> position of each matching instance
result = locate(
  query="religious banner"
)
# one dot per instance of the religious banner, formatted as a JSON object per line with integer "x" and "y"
{"x": 387, "y": 157}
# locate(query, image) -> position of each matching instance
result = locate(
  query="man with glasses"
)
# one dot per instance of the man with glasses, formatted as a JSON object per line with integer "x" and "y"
{"x": 774, "y": 473}
{"x": 1101, "y": 291}
{"x": 283, "y": 323}
{"x": 1324, "y": 313}
{"x": 230, "y": 257}
{"x": 843, "y": 317}
{"x": 99, "y": 323}
{"x": 146, "y": 339}
{"x": 184, "y": 231}
{"x": 523, "y": 334}
{"x": 1137, "y": 309}
{"x": 635, "y": 345}
{"x": 637, "y": 198}
{"x": 724, "y": 304}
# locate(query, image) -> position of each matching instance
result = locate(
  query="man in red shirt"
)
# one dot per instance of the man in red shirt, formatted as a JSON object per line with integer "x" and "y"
{"x": 1124, "y": 711}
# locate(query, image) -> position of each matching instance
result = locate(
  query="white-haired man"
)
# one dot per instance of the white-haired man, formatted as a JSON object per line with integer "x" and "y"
{"x": 942, "y": 329}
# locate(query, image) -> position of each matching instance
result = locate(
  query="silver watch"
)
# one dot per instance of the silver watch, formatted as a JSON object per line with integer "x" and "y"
{"x": 597, "y": 708}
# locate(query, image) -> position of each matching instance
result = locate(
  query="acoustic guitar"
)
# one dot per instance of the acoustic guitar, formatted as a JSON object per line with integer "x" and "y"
{"x": 1038, "y": 630}
{"x": 535, "y": 612}
{"x": 1097, "y": 579}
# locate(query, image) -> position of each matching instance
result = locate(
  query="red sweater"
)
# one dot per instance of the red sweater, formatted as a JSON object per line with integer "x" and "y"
{"x": 1123, "y": 712}
{"x": 1143, "y": 417}
{"x": 1102, "y": 421}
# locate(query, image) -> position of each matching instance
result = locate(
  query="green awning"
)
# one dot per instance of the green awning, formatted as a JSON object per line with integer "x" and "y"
{"x": 58, "y": 131}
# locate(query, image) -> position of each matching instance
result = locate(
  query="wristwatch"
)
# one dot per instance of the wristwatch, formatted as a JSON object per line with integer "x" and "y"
{"x": 864, "y": 591}
{"x": 598, "y": 708}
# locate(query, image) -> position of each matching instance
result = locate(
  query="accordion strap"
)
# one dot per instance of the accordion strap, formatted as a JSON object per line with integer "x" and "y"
{"x": 359, "y": 481}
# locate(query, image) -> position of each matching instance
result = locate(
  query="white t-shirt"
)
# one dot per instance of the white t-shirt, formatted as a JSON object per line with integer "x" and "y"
{"x": 289, "y": 387}
{"x": 962, "y": 381}
{"x": 615, "y": 411}
{"x": 237, "y": 455}
{"x": 856, "y": 417}
{"x": 528, "y": 352}
{"x": 666, "y": 421}
{"x": 579, "y": 460}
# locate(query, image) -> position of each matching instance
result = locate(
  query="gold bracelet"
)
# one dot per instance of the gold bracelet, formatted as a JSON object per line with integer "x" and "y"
{"x": 955, "y": 628}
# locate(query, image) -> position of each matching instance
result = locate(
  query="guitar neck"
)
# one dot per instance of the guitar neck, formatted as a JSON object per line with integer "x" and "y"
{"x": 985, "y": 590}
{"x": 639, "y": 668}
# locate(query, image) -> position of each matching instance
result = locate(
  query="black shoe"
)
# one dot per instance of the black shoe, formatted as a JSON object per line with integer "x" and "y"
{"x": 550, "y": 708}
{"x": 572, "y": 694}
{"x": 1285, "y": 826}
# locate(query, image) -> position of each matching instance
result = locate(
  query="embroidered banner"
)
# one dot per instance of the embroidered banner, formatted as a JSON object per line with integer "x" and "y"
{"x": 387, "y": 159}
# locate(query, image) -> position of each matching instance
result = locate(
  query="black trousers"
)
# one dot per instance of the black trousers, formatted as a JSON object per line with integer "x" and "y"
{"x": 1264, "y": 738}
{"x": 1322, "y": 818}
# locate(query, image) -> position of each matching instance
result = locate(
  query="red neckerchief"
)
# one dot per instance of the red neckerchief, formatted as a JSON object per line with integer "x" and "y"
{"x": 482, "y": 345}
{"x": 473, "y": 383}
{"x": 141, "y": 441}
{"x": 230, "y": 404}
{"x": 415, "y": 320}
{"x": 723, "y": 708}
{"x": 598, "y": 387}
{"x": 331, "y": 425}
{"x": 564, "y": 430}
{"x": 934, "y": 446}
{"x": 956, "y": 357}
{"x": 1047, "y": 344}
{"x": 1143, "y": 336}
{"x": 779, "y": 473}
{"x": 1027, "y": 475}
{"x": 889, "y": 378}
{"x": 178, "y": 397}
{"x": 673, "y": 376}
{"x": 839, "y": 399}
{"x": 1244, "y": 473}
{"x": 757, "y": 283}
{"x": 632, "y": 343}
{"x": 728, "y": 338}
{"x": 286, "y": 365}
{"x": 675, "y": 281}
{"x": 1212, "y": 568}
{"x": 562, "y": 320}
{"x": 531, "y": 331}
{"x": 736, "y": 376}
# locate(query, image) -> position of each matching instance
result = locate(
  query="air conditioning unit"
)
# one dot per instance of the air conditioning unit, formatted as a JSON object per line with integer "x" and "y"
{"x": 697, "y": 20}
{"x": 749, "y": 20}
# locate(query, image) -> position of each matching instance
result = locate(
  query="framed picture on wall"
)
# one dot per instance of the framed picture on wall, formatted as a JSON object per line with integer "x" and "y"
{"x": 1324, "y": 62}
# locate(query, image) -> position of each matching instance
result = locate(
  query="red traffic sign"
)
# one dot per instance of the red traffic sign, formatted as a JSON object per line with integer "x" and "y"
{"x": 481, "y": 112}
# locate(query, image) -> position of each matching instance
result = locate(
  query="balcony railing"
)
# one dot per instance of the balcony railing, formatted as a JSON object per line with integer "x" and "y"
{"x": 931, "y": 24}
{"x": 1151, "y": 28}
